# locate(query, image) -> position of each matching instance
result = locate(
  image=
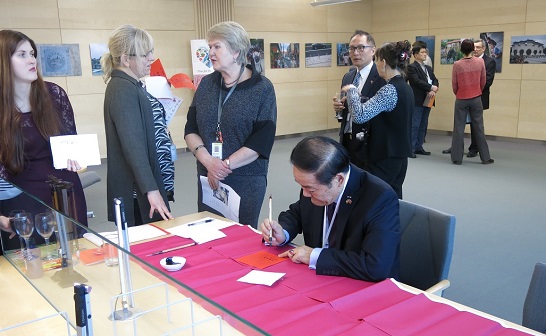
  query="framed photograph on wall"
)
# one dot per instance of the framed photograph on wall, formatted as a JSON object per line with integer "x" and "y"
{"x": 494, "y": 45}
{"x": 57, "y": 60}
{"x": 343, "y": 57}
{"x": 528, "y": 49}
{"x": 284, "y": 55}
{"x": 431, "y": 44}
{"x": 97, "y": 50}
{"x": 450, "y": 51}
{"x": 318, "y": 55}
{"x": 255, "y": 55}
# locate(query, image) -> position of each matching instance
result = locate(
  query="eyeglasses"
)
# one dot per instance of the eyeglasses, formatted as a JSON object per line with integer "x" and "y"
{"x": 360, "y": 48}
{"x": 148, "y": 54}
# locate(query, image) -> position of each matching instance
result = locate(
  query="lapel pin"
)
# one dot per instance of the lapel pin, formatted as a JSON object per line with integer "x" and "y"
{"x": 348, "y": 200}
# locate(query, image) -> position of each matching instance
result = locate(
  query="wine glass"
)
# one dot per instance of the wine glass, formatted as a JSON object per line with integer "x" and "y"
{"x": 24, "y": 228}
{"x": 13, "y": 214}
{"x": 45, "y": 223}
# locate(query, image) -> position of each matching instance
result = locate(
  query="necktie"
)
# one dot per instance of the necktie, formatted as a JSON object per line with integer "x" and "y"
{"x": 349, "y": 125}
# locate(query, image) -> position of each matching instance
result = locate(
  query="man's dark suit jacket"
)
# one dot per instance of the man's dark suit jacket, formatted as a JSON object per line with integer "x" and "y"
{"x": 373, "y": 83}
{"x": 366, "y": 229}
{"x": 490, "y": 67}
{"x": 419, "y": 83}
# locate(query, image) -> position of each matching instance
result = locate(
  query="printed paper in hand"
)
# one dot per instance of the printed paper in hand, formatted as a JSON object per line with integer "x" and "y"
{"x": 224, "y": 199}
{"x": 83, "y": 148}
{"x": 261, "y": 277}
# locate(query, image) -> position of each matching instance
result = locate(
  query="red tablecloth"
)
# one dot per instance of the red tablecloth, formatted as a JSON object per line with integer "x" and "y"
{"x": 308, "y": 304}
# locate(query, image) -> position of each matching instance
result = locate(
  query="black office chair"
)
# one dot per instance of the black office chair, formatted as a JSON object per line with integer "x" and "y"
{"x": 534, "y": 307}
{"x": 426, "y": 247}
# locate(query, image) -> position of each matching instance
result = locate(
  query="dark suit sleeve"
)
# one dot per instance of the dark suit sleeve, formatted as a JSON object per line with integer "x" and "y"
{"x": 290, "y": 219}
{"x": 378, "y": 254}
{"x": 490, "y": 68}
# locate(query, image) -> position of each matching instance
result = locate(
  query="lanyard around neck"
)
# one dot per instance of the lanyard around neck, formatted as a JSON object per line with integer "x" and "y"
{"x": 327, "y": 225}
{"x": 220, "y": 103}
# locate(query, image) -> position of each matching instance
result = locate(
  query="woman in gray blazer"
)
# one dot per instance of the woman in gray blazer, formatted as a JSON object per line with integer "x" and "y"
{"x": 137, "y": 141}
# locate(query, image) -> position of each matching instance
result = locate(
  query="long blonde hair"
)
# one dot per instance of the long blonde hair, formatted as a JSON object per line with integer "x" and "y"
{"x": 124, "y": 40}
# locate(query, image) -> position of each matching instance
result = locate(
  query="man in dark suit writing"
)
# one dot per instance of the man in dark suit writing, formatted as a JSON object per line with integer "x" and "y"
{"x": 365, "y": 77}
{"x": 349, "y": 218}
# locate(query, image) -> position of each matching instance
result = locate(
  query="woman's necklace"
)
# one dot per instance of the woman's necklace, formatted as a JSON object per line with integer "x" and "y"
{"x": 235, "y": 81}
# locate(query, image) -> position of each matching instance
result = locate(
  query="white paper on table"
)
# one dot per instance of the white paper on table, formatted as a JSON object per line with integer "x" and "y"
{"x": 83, "y": 148}
{"x": 136, "y": 233}
{"x": 224, "y": 199}
{"x": 261, "y": 278}
{"x": 170, "y": 105}
{"x": 201, "y": 232}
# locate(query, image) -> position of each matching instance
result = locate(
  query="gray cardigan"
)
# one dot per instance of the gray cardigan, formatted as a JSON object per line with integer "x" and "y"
{"x": 131, "y": 150}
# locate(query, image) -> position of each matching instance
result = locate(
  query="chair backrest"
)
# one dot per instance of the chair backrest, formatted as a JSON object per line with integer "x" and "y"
{"x": 426, "y": 245}
{"x": 534, "y": 307}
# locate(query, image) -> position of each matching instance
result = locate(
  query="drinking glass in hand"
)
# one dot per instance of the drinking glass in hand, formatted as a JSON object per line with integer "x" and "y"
{"x": 45, "y": 223}
{"x": 24, "y": 228}
{"x": 339, "y": 96}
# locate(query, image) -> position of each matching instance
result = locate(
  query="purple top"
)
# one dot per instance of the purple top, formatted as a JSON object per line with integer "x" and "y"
{"x": 39, "y": 165}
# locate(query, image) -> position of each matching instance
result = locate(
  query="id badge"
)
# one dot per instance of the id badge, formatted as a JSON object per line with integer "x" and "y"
{"x": 217, "y": 150}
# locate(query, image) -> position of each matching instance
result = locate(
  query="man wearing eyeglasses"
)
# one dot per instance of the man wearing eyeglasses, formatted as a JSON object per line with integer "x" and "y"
{"x": 365, "y": 77}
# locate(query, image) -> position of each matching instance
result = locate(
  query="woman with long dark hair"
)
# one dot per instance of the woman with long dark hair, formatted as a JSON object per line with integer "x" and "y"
{"x": 31, "y": 111}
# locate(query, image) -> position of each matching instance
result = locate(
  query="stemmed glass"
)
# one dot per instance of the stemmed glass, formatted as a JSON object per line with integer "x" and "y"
{"x": 45, "y": 223}
{"x": 13, "y": 214}
{"x": 24, "y": 227}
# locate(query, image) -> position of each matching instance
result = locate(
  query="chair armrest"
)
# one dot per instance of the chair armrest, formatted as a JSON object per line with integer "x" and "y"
{"x": 439, "y": 288}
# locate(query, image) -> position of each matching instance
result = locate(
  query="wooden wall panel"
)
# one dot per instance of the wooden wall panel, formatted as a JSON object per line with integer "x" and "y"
{"x": 502, "y": 117}
{"x": 4, "y": 15}
{"x": 301, "y": 108}
{"x": 535, "y": 11}
{"x": 107, "y": 14}
{"x": 278, "y": 16}
{"x": 532, "y": 110}
{"x": 349, "y": 17}
{"x": 468, "y": 13}
{"x": 32, "y": 14}
{"x": 400, "y": 15}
